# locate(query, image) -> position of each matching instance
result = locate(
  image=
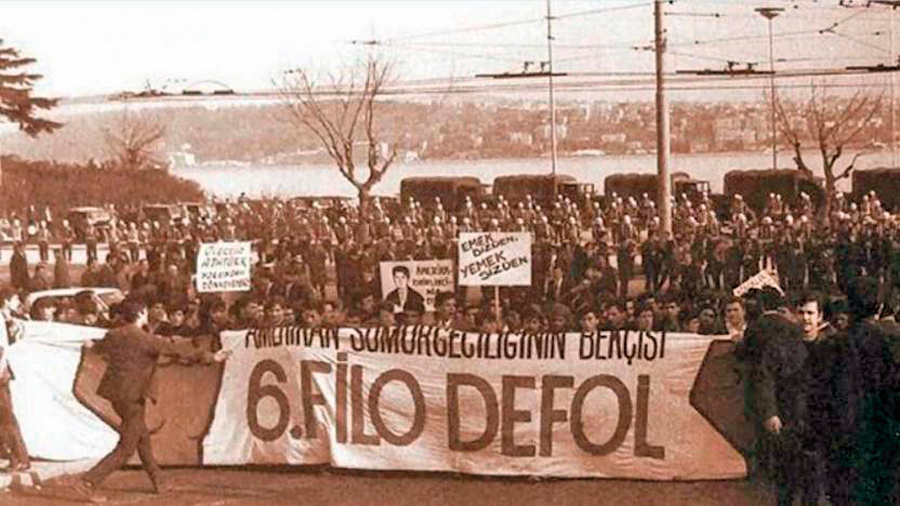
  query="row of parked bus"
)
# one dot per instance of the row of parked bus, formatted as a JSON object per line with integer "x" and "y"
{"x": 753, "y": 185}
{"x": 453, "y": 192}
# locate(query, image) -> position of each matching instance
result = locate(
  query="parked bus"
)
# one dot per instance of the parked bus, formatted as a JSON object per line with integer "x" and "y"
{"x": 885, "y": 182}
{"x": 452, "y": 191}
{"x": 756, "y": 185}
{"x": 540, "y": 188}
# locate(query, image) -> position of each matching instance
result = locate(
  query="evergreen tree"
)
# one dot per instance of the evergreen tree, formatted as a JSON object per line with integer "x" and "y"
{"x": 16, "y": 101}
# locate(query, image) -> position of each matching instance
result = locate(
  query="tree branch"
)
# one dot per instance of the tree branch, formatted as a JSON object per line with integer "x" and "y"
{"x": 849, "y": 168}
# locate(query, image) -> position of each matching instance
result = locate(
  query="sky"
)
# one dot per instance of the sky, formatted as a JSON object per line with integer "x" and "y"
{"x": 90, "y": 48}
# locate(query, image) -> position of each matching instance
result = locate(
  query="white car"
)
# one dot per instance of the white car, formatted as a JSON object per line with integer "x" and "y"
{"x": 105, "y": 296}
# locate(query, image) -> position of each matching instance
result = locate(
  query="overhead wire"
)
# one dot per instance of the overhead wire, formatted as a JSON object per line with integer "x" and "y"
{"x": 861, "y": 42}
{"x": 520, "y": 22}
{"x": 710, "y": 82}
{"x": 461, "y": 54}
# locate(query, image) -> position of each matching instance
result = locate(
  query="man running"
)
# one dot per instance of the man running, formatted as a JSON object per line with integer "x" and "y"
{"x": 131, "y": 353}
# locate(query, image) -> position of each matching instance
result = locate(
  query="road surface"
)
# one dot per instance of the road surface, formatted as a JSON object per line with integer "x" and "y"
{"x": 325, "y": 486}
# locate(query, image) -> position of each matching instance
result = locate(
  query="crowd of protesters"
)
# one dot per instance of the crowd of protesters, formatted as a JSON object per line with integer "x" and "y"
{"x": 822, "y": 361}
{"x": 606, "y": 258}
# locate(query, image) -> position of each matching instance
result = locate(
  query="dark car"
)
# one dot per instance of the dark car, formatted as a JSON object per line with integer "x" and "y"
{"x": 164, "y": 213}
{"x": 80, "y": 218}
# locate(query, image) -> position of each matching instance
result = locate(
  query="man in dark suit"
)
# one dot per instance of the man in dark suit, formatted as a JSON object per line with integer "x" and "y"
{"x": 778, "y": 389}
{"x": 558, "y": 286}
{"x": 403, "y": 298}
{"x": 131, "y": 354}
{"x": 18, "y": 268}
{"x": 864, "y": 443}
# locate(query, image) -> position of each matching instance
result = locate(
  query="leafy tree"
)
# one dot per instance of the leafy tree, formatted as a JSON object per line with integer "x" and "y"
{"x": 342, "y": 113}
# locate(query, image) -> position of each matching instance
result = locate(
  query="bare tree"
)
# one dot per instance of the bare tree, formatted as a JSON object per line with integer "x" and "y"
{"x": 132, "y": 142}
{"x": 829, "y": 125}
{"x": 342, "y": 112}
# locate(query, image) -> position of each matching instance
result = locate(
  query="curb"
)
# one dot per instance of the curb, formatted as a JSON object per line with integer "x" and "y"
{"x": 42, "y": 472}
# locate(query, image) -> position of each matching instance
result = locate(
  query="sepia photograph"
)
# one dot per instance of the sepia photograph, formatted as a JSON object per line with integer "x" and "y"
{"x": 449, "y": 252}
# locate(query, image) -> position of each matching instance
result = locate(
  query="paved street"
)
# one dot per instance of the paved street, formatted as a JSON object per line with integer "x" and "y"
{"x": 324, "y": 486}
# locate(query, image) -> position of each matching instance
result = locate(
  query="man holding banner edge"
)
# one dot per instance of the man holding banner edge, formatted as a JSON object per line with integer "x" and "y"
{"x": 131, "y": 354}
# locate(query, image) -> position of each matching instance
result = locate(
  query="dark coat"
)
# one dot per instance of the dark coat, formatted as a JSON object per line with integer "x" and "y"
{"x": 779, "y": 382}
{"x": 18, "y": 271}
{"x": 863, "y": 437}
{"x": 61, "y": 276}
{"x": 131, "y": 355}
{"x": 414, "y": 300}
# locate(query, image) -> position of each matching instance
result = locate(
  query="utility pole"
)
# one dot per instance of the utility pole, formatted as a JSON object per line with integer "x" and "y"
{"x": 770, "y": 13}
{"x": 893, "y": 96}
{"x": 664, "y": 189}
{"x": 552, "y": 102}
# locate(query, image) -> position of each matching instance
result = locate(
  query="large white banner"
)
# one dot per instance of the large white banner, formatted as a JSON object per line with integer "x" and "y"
{"x": 647, "y": 406}
{"x": 224, "y": 267}
{"x": 424, "y": 279}
{"x": 495, "y": 258}
{"x": 602, "y": 405}
{"x": 55, "y": 424}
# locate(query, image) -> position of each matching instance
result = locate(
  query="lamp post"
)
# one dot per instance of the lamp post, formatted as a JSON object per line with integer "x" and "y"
{"x": 553, "y": 142}
{"x": 771, "y": 13}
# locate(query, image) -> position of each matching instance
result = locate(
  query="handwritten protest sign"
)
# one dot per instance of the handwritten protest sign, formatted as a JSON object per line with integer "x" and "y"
{"x": 762, "y": 279}
{"x": 224, "y": 267}
{"x": 426, "y": 278}
{"x": 494, "y": 258}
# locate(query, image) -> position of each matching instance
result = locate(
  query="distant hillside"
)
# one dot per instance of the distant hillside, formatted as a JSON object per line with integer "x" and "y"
{"x": 260, "y": 133}
{"x": 245, "y": 133}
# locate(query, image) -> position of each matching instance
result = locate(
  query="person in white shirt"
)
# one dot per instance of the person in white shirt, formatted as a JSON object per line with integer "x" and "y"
{"x": 735, "y": 318}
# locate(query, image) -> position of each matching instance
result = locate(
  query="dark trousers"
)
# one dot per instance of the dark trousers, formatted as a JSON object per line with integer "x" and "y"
{"x": 795, "y": 466}
{"x": 133, "y": 435}
{"x": 651, "y": 273}
{"x": 10, "y": 434}
{"x": 44, "y": 250}
{"x": 91, "y": 245}
{"x": 714, "y": 275}
{"x": 135, "y": 250}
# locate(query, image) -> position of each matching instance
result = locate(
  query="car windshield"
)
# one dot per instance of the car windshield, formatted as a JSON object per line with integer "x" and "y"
{"x": 110, "y": 298}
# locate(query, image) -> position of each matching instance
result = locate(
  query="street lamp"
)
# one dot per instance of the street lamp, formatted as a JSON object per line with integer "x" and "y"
{"x": 771, "y": 13}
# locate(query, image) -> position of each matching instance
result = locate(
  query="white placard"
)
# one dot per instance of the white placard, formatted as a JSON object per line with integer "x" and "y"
{"x": 495, "y": 258}
{"x": 224, "y": 267}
